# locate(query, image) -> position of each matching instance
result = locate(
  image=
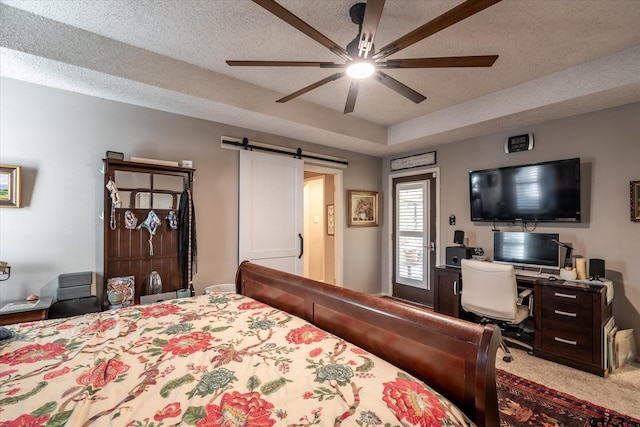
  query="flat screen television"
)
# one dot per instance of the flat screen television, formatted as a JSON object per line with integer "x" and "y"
{"x": 523, "y": 249}
{"x": 541, "y": 192}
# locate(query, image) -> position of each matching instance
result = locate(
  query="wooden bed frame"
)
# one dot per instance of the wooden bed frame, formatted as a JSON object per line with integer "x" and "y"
{"x": 455, "y": 357}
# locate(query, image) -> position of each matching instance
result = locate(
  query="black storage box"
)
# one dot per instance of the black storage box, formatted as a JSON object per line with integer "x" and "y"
{"x": 73, "y": 307}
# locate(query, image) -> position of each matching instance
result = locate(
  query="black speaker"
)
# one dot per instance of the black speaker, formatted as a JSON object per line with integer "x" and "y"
{"x": 458, "y": 237}
{"x": 455, "y": 254}
{"x": 596, "y": 268}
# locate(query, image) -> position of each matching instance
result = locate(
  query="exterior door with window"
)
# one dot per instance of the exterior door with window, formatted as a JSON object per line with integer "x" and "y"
{"x": 414, "y": 237}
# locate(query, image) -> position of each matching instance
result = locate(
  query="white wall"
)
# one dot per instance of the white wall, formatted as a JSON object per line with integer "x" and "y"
{"x": 60, "y": 138}
{"x": 608, "y": 146}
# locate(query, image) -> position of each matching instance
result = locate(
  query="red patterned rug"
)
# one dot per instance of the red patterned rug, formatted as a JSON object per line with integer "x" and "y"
{"x": 525, "y": 403}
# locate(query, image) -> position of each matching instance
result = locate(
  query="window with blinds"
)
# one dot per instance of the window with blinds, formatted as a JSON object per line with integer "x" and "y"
{"x": 410, "y": 233}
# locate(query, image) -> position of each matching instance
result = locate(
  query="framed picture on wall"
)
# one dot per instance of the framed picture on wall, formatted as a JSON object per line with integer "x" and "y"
{"x": 9, "y": 186}
{"x": 331, "y": 220}
{"x": 635, "y": 201}
{"x": 363, "y": 208}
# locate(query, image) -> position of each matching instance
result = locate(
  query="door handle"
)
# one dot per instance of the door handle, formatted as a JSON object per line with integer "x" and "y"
{"x": 301, "y": 245}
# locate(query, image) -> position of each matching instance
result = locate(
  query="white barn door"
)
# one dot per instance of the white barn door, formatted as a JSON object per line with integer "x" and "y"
{"x": 271, "y": 211}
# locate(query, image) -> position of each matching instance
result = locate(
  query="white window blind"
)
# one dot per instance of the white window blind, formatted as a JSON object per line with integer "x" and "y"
{"x": 410, "y": 233}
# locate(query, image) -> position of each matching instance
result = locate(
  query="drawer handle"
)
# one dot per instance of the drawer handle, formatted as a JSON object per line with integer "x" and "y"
{"x": 561, "y": 295}
{"x": 565, "y": 313}
{"x": 562, "y": 340}
{"x": 455, "y": 287}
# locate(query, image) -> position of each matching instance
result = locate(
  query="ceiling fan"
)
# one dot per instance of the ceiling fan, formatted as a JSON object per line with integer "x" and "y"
{"x": 360, "y": 58}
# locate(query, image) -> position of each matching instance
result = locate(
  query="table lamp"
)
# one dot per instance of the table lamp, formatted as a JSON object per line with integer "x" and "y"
{"x": 567, "y": 256}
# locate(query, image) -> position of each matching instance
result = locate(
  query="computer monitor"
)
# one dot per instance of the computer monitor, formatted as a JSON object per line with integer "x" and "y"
{"x": 523, "y": 249}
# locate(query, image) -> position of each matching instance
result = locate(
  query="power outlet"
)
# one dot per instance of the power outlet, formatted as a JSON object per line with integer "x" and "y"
{"x": 452, "y": 219}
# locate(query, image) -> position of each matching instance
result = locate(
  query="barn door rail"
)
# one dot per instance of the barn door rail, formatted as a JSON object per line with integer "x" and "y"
{"x": 245, "y": 144}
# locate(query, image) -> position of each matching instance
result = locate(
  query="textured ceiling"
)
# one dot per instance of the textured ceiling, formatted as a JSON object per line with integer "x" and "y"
{"x": 556, "y": 58}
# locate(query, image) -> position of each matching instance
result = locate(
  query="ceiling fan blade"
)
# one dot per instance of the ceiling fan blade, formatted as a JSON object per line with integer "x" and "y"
{"x": 351, "y": 97}
{"x": 442, "y": 62}
{"x": 315, "y": 85}
{"x": 372, "y": 13}
{"x": 455, "y": 15}
{"x": 395, "y": 85}
{"x": 302, "y": 26}
{"x": 283, "y": 64}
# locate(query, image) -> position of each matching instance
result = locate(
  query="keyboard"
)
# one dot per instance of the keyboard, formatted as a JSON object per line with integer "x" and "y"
{"x": 536, "y": 274}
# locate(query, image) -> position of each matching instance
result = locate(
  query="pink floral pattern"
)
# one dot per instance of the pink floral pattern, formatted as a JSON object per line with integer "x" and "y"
{"x": 188, "y": 344}
{"x": 306, "y": 335}
{"x": 170, "y": 411}
{"x": 213, "y": 360}
{"x": 413, "y": 403}
{"x": 32, "y": 353}
{"x": 103, "y": 373}
{"x": 237, "y": 409}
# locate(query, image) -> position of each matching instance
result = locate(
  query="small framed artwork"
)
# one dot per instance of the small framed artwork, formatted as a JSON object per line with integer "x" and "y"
{"x": 635, "y": 201}
{"x": 363, "y": 208}
{"x": 331, "y": 220}
{"x": 124, "y": 287}
{"x": 9, "y": 186}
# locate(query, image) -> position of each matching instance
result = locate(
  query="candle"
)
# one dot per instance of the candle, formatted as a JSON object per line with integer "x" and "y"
{"x": 581, "y": 268}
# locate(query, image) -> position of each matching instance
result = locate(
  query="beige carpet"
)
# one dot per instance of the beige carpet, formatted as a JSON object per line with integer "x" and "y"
{"x": 620, "y": 391}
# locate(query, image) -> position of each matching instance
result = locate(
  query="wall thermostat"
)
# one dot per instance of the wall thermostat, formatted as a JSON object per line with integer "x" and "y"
{"x": 513, "y": 144}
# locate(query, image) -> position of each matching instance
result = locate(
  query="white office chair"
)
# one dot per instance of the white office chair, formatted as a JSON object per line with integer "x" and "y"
{"x": 491, "y": 292}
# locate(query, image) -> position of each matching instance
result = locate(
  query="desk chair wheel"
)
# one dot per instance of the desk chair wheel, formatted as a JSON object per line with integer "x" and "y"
{"x": 507, "y": 353}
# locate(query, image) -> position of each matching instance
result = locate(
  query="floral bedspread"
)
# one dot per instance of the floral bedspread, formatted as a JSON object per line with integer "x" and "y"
{"x": 212, "y": 360}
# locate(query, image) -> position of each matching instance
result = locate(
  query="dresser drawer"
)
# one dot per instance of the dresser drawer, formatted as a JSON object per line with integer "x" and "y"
{"x": 565, "y": 313}
{"x": 576, "y": 343}
{"x": 566, "y": 294}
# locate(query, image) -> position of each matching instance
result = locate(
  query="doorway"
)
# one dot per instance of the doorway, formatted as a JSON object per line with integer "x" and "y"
{"x": 322, "y": 224}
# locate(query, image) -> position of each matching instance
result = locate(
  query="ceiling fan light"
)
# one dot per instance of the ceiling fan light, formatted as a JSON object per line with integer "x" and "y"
{"x": 360, "y": 69}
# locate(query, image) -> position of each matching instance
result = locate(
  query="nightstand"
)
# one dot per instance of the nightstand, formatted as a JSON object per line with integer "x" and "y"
{"x": 18, "y": 311}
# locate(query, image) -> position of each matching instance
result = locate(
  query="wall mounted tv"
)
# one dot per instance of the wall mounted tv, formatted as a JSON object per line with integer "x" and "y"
{"x": 541, "y": 192}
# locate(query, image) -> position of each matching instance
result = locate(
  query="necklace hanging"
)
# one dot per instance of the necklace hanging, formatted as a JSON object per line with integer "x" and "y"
{"x": 112, "y": 218}
{"x": 115, "y": 199}
{"x": 130, "y": 220}
{"x": 172, "y": 220}
{"x": 151, "y": 223}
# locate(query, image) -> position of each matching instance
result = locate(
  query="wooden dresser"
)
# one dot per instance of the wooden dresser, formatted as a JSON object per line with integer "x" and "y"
{"x": 570, "y": 318}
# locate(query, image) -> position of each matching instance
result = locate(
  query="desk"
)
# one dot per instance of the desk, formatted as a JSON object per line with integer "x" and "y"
{"x": 17, "y": 311}
{"x": 569, "y": 317}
